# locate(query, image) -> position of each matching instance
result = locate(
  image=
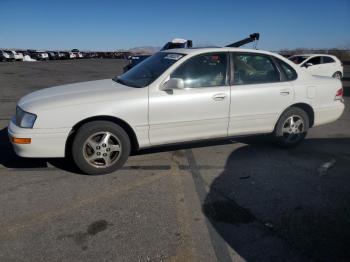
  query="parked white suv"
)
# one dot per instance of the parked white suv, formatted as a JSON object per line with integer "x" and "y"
{"x": 320, "y": 64}
{"x": 174, "y": 96}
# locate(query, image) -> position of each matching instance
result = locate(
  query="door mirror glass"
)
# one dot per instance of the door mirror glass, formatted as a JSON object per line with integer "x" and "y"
{"x": 173, "y": 83}
{"x": 308, "y": 64}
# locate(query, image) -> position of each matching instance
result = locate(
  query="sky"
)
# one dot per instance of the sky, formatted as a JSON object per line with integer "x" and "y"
{"x": 112, "y": 25}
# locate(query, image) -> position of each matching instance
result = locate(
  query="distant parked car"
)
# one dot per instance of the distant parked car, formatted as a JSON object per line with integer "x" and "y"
{"x": 320, "y": 64}
{"x": 52, "y": 55}
{"x": 27, "y": 58}
{"x": 175, "y": 43}
{"x": 4, "y": 56}
{"x": 72, "y": 55}
{"x": 87, "y": 55}
{"x": 63, "y": 55}
{"x": 11, "y": 55}
{"x": 42, "y": 55}
{"x": 17, "y": 55}
{"x": 134, "y": 60}
{"x": 38, "y": 55}
{"x": 77, "y": 53}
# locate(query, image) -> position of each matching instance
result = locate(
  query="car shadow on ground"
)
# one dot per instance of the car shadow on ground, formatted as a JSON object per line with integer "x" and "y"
{"x": 268, "y": 204}
{"x": 9, "y": 159}
{"x": 284, "y": 205}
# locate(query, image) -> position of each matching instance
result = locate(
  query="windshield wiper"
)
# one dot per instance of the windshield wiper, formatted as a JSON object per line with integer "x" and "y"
{"x": 120, "y": 81}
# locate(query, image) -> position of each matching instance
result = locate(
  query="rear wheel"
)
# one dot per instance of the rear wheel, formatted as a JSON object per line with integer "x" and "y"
{"x": 100, "y": 147}
{"x": 292, "y": 127}
{"x": 337, "y": 75}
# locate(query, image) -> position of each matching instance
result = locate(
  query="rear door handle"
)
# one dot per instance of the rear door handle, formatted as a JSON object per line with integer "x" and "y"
{"x": 219, "y": 97}
{"x": 284, "y": 92}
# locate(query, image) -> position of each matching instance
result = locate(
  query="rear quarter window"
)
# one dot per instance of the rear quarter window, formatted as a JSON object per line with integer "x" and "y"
{"x": 327, "y": 59}
{"x": 315, "y": 60}
{"x": 289, "y": 72}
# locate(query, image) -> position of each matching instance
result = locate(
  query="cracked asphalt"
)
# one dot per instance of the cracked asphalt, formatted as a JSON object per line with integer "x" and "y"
{"x": 227, "y": 200}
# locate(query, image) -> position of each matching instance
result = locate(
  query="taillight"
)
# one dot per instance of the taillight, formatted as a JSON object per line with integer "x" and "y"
{"x": 339, "y": 94}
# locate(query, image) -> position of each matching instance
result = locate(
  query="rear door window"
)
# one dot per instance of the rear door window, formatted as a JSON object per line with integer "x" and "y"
{"x": 254, "y": 69}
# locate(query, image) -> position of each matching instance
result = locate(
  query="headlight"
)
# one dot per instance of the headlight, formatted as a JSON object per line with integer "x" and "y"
{"x": 24, "y": 119}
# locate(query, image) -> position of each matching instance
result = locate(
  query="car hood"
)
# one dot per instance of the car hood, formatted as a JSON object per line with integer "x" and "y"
{"x": 72, "y": 94}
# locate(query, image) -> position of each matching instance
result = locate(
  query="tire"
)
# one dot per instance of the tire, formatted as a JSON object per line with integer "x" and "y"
{"x": 92, "y": 155}
{"x": 291, "y": 127}
{"x": 337, "y": 75}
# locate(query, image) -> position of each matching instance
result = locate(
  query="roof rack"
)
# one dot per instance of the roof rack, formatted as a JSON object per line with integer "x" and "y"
{"x": 252, "y": 38}
{"x": 177, "y": 43}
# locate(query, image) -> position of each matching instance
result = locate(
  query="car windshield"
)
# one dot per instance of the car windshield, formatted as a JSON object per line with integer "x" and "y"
{"x": 298, "y": 59}
{"x": 138, "y": 59}
{"x": 148, "y": 70}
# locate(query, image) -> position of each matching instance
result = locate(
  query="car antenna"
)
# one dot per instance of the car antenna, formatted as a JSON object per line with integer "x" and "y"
{"x": 252, "y": 38}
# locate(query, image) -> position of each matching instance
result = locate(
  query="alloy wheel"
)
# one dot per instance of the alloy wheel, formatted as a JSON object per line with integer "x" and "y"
{"x": 293, "y": 128}
{"x": 102, "y": 149}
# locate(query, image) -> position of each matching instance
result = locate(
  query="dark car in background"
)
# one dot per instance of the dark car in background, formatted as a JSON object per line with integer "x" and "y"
{"x": 52, "y": 55}
{"x": 134, "y": 60}
{"x": 175, "y": 43}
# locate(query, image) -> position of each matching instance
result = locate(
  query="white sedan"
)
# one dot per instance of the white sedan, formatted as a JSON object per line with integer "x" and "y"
{"x": 174, "y": 96}
{"x": 320, "y": 64}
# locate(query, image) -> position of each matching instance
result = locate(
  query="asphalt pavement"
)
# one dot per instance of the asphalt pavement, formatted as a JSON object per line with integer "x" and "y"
{"x": 227, "y": 200}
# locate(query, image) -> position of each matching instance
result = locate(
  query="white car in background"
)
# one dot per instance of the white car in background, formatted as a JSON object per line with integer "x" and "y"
{"x": 174, "y": 96}
{"x": 27, "y": 58}
{"x": 72, "y": 55}
{"x": 4, "y": 56}
{"x": 41, "y": 55}
{"x": 16, "y": 55}
{"x": 320, "y": 64}
{"x": 11, "y": 55}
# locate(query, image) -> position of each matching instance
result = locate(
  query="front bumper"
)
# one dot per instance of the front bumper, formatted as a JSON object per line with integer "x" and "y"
{"x": 44, "y": 142}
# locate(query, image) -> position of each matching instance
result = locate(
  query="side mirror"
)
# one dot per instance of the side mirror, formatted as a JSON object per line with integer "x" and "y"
{"x": 308, "y": 64}
{"x": 173, "y": 83}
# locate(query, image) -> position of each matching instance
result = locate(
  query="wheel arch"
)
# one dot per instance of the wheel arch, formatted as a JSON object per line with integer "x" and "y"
{"x": 341, "y": 75}
{"x": 304, "y": 106}
{"x": 128, "y": 129}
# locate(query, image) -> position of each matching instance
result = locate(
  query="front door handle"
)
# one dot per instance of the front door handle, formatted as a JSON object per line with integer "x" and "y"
{"x": 219, "y": 97}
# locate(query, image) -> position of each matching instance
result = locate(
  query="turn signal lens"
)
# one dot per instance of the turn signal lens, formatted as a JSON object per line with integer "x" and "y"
{"x": 17, "y": 140}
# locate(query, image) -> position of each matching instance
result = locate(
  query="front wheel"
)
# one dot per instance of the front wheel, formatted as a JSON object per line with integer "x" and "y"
{"x": 100, "y": 147}
{"x": 291, "y": 127}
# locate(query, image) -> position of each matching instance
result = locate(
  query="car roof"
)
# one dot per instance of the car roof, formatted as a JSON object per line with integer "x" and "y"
{"x": 194, "y": 51}
{"x": 310, "y": 55}
{"x": 188, "y": 51}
